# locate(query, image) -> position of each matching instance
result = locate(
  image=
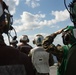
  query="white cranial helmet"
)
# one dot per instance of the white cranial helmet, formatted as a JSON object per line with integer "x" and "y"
{"x": 38, "y": 40}
{"x": 24, "y": 38}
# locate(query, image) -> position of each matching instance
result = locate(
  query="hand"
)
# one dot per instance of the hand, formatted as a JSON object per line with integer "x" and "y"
{"x": 59, "y": 31}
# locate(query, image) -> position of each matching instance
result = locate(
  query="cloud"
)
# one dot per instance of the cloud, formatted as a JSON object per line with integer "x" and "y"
{"x": 12, "y": 5}
{"x": 32, "y": 3}
{"x": 60, "y": 15}
{"x": 29, "y": 21}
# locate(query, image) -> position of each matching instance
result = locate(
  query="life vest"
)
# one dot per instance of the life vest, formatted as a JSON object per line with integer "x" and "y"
{"x": 40, "y": 60}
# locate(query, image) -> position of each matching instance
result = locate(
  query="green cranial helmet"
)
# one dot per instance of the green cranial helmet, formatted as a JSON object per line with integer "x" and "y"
{"x": 69, "y": 35}
{"x": 72, "y": 7}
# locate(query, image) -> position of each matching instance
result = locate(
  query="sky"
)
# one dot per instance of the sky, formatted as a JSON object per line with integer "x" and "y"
{"x": 32, "y": 17}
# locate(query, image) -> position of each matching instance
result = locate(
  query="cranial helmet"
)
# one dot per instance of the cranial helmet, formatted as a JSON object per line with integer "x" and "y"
{"x": 24, "y": 38}
{"x": 72, "y": 7}
{"x": 69, "y": 35}
{"x": 6, "y": 21}
{"x": 38, "y": 40}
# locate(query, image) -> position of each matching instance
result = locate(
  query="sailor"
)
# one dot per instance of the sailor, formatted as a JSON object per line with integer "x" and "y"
{"x": 10, "y": 56}
{"x": 40, "y": 58}
{"x": 24, "y": 46}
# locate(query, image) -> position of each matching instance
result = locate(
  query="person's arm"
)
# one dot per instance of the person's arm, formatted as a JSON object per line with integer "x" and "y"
{"x": 51, "y": 60}
{"x": 58, "y": 52}
{"x": 50, "y": 38}
{"x": 30, "y": 53}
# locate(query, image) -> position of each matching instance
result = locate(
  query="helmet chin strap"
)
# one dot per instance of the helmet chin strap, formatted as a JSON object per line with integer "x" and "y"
{"x": 13, "y": 37}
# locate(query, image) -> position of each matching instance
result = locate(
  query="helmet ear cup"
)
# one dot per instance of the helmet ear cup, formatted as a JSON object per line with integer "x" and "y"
{"x": 66, "y": 38}
{"x": 27, "y": 40}
{"x": 34, "y": 41}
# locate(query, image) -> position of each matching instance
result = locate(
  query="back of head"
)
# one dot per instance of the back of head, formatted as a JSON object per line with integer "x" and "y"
{"x": 24, "y": 38}
{"x": 72, "y": 11}
{"x": 38, "y": 40}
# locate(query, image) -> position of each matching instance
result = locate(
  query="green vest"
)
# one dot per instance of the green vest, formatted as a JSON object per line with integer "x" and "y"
{"x": 70, "y": 68}
{"x": 61, "y": 68}
{"x": 69, "y": 49}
